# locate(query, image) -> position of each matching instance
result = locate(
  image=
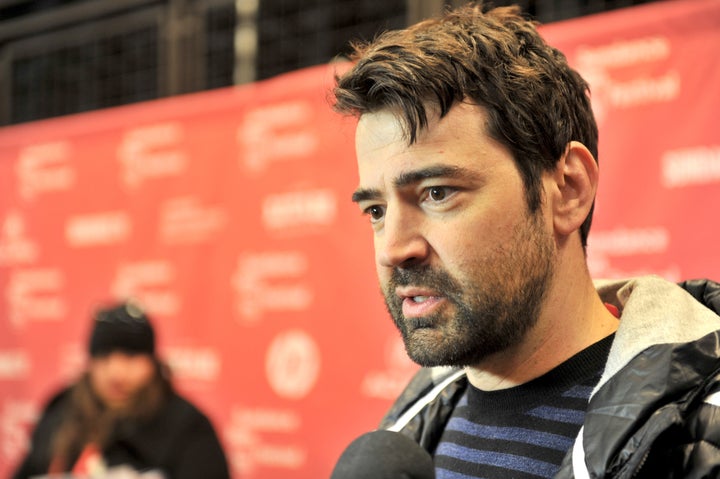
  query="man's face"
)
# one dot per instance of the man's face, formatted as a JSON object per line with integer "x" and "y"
{"x": 462, "y": 263}
{"x": 119, "y": 376}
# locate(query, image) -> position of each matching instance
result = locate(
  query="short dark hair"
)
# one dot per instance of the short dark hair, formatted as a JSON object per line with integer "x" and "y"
{"x": 495, "y": 58}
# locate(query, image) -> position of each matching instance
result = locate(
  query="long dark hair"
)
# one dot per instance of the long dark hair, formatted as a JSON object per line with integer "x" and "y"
{"x": 87, "y": 420}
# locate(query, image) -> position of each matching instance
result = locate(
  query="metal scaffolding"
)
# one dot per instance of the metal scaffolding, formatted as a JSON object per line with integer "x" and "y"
{"x": 66, "y": 56}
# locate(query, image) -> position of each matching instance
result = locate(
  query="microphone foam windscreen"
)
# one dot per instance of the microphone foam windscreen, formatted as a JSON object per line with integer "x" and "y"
{"x": 384, "y": 455}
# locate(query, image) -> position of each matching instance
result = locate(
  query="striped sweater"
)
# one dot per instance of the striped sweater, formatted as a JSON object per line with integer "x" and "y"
{"x": 521, "y": 432}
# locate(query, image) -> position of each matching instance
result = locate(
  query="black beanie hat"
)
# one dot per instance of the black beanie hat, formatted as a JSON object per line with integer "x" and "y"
{"x": 122, "y": 327}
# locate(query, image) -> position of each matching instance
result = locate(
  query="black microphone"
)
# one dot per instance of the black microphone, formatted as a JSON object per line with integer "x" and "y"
{"x": 384, "y": 455}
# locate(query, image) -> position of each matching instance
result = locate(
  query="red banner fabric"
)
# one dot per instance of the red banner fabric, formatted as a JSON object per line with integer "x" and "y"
{"x": 655, "y": 76}
{"x": 227, "y": 214}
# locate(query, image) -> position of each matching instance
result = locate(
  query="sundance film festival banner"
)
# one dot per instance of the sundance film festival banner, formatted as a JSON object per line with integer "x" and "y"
{"x": 655, "y": 80}
{"x": 227, "y": 214}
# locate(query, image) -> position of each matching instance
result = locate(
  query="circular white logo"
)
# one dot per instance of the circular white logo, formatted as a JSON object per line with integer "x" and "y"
{"x": 292, "y": 364}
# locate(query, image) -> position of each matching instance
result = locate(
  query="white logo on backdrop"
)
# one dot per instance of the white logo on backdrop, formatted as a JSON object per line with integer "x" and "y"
{"x": 15, "y": 246}
{"x": 35, "y": 295}
{"x": 98, "y": 229}
{"x": 630, "y": 241}
{"x": 152, "y": 152}
{"x": 255, "y": 438}
{"x": 691, "y": 166}
{"x": 280, "y": 132}
{"x": 271, "y": 281}
{"x": 299, "y": 208}
{"x": 597, "y": 63}
{"x": 186, "y": 220}
{"x": 44, "y": 168}
{"x": 292, "y": 364}
{"x": 201, "y": 364}
{"x": 149, "y": 282}
{"x": 622, "y": 242}
{"x": 16, "y": 421}
{"x": 14, "y": 364}
{"x": 387, "y": 383}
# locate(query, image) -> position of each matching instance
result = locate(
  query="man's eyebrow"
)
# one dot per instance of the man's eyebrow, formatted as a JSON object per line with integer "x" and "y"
{"x": 438, "y": 171}
{"x": 411, "y": 177}
{"x": 364, "y": 194}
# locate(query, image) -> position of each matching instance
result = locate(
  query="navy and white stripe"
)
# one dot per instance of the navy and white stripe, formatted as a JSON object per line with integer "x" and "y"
{"x": 522, "y": 432}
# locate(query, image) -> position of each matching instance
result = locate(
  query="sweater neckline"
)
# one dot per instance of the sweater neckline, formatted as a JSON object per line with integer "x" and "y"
{"x": 580, "y": 369}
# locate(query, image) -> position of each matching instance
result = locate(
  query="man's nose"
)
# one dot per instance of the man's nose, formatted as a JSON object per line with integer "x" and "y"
{"x": 401, "y": 243}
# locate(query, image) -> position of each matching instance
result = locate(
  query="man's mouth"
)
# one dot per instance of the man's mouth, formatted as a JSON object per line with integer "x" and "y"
{"x": 420, "y": 305}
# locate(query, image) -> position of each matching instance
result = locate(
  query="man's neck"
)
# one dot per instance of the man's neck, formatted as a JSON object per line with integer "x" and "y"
{"x": 573, "y": 317}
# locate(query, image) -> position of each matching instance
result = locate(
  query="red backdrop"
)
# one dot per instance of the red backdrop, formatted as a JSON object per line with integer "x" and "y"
{"x": 227, "y": 214}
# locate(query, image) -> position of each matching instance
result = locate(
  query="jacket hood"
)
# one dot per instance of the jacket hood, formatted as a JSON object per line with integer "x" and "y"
{"x": 656, "y": 311}
{"x": 663, "y": 363}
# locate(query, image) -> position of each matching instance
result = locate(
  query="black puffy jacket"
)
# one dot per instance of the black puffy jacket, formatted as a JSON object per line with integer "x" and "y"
{"x": 655, "y": 413}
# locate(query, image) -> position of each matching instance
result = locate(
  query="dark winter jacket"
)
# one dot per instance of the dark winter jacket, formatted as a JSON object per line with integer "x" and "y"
{"x": 179, "y": 442}
{"x": 655, "y": 413}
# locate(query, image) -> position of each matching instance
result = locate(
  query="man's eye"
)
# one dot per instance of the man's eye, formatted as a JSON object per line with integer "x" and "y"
{"x": 375, "y": 212}
{"x": 437, "y": 193}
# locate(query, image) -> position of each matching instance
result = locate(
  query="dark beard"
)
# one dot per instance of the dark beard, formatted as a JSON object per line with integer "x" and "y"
{"x": 490, "y": 315}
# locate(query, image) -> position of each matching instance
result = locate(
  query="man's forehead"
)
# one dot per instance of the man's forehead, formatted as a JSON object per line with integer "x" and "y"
{"x": 392, "y": 123}
{"x": 384, "y": 132}
{"x": 379, "y": 127}
{"x": 457, "y": 142}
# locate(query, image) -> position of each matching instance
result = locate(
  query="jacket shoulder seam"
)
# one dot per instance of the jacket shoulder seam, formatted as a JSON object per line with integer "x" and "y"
{"x": 418, "y": 405}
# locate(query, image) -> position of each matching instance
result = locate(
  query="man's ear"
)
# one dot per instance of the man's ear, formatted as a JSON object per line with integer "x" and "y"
{"x": 576, "y": 180}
